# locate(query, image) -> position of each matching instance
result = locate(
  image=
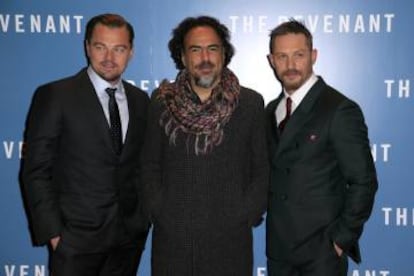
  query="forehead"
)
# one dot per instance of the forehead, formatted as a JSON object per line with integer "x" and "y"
{"x": 107, "y": 34}
{"x": 201, "y": 36}
{"x": 290, "y": 41}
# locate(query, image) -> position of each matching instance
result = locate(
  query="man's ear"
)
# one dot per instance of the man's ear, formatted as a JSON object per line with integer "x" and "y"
{"x": 270, "y": 60}
{"x": 183, "y": 59}
{"x": 314, "y": 55}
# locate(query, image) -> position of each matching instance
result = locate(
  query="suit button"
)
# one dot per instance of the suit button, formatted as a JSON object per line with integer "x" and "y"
{"x": 287, "y": 170}
{"x": 283, "y": 197}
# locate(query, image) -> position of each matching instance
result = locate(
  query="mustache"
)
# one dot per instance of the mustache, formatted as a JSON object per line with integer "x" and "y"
{"x": 205, "y": 65}
{"x": 291, "y": 71}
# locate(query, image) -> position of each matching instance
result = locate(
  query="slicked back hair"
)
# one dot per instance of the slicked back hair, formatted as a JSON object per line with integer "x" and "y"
{"x": 109, "y": 20}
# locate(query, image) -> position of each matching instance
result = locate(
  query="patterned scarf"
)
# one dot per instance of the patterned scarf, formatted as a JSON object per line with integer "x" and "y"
{"x": 206, "y": 120}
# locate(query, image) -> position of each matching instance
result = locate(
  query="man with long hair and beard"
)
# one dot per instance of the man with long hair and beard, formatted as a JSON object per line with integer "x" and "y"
{"x": 204, "y": 163}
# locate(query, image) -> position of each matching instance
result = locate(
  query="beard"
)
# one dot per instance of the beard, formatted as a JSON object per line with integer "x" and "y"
{"x": 288, "y": 83}
{"x": 292, "y": 86}
{"x": 205, "y": 81}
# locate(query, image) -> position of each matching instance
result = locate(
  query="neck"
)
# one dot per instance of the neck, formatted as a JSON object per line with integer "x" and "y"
{"x": 114, "y": 83}
{"x": 203, "y": 93}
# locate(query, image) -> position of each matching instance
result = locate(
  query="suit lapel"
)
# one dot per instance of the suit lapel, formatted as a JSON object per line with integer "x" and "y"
{"x": 300, "y": 116}
{"x": 132, "y": 110}
{"x": 133, "y": 128}
{"x": 274, "y": 131}
{"x": 93, "y": 108}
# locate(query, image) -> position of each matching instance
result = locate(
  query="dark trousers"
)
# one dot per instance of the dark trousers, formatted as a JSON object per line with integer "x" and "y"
{"x": 315, "y": 258}
{"x": 121, "y": 261}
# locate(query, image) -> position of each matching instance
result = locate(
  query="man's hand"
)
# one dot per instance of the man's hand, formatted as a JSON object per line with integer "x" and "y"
{"x": 338, "y": 250}
{"x": 54, "y": 242}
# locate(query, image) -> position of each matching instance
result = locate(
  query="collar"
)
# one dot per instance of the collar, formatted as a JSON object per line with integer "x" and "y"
{"x": 298, "y": 95}
{"x": 100, "y": 84}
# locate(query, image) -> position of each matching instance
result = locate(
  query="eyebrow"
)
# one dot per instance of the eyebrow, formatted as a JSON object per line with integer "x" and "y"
{"x": 295, "y": 51}
{"x": 103, "y": 44}
{"x": 208, "y": 46}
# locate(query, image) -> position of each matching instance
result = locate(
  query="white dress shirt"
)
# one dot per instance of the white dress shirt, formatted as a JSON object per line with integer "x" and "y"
{"x": 100, "y": 85}
{"x": 296, "y": 97}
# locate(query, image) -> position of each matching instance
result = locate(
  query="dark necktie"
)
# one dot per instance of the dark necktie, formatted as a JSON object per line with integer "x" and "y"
{"x": 282, "y": 124}
{"x": 116, "y": 130}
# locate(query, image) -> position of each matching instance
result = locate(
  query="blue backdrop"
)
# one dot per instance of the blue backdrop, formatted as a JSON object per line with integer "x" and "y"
{"x": 366, "y": 50}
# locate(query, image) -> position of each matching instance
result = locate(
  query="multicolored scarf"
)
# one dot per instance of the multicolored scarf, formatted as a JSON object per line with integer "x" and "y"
{"x": 205, "y": 120}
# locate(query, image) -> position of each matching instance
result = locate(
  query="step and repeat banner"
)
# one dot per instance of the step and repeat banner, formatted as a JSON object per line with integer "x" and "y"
{"x": 366, "y": 50}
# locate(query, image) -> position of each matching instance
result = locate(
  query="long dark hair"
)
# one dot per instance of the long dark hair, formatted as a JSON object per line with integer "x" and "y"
{"x": 176, "y": 44}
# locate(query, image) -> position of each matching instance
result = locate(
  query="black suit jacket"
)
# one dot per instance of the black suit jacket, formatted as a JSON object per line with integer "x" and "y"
{"x": 323, "y": 178}
{"x": 74, "y": 184}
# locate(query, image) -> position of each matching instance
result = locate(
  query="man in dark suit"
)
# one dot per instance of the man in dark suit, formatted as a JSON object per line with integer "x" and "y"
{"x": 323, "y": 178}
{"x": 80, "y": 173}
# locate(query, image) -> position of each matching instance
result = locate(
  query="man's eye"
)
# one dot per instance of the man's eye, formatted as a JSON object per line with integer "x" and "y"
{"x": 119, "y": 50}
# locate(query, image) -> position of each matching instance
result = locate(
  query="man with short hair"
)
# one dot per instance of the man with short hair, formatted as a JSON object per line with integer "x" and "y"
{"x": 80, "y": 172}
{"x": 323, "y": 179}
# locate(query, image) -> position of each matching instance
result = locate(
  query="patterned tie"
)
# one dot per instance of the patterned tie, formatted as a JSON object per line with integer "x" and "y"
{"x": 282, "y": 124}
{"x": 116, "y": 129}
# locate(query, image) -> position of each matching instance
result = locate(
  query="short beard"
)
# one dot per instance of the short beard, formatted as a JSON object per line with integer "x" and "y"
{"x": 293, "y": 87}
{"x": 205, "y": 82}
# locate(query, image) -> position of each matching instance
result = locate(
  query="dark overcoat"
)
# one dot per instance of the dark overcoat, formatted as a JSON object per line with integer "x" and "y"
{"x": 203, "y": 207}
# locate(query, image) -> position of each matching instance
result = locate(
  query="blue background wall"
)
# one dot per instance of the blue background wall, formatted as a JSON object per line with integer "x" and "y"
{"x": 366, "y": 50}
